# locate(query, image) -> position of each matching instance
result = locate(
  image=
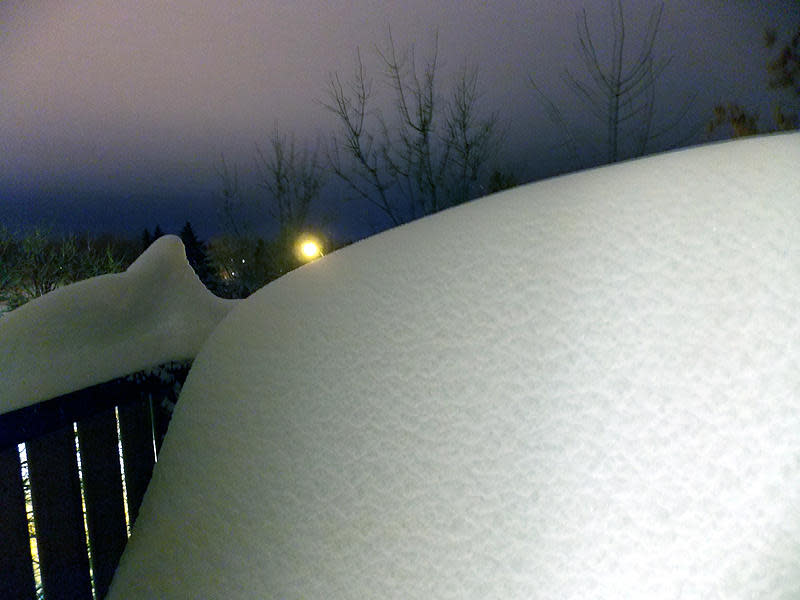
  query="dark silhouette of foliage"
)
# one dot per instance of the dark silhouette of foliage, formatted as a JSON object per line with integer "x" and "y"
{"x": 784, "y": 70}
{"x": 147, "y": 239}
{"x": 39, "y": 262}
{"x": 741, "y": 122}
{"x": 197, "y": 256}
{"x": 784, "y": 74}
{"x": 499, "y": 181}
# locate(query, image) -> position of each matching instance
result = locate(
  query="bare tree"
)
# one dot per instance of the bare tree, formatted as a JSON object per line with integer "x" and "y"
{"x": 473, "y": 139}
{"x": 363, "y": 172}
{"x": 39, "y": 262}
{"x": 8, "y": 264}
{"x": 429, "y": 156}
{"x": 231, "y": 197}
{"x": 291, "y": 178}
{"x": 621, "y": 97}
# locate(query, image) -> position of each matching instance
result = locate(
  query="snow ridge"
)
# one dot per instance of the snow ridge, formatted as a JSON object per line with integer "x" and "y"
{"x": 106, "y": 327}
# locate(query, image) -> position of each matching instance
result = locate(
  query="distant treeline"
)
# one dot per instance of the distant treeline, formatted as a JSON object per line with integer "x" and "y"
{"x": 37, "y": 262}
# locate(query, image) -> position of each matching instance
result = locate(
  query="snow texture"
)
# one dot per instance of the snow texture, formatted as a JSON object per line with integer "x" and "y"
{"x": 106, "y": 327}
{"x": 587, "y": 387}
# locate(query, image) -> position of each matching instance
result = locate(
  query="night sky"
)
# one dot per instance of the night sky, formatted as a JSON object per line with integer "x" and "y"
{"x": 115, "y": 113}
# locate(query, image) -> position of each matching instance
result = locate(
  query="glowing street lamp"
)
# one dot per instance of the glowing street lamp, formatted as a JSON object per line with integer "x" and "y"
{"x": 309, "y": 248}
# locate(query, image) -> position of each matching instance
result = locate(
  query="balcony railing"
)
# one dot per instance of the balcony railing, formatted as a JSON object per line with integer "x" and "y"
{"x": 88, "y": 456}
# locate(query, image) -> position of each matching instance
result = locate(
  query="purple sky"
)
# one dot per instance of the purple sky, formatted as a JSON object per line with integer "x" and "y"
{"x": 114, "y": 113}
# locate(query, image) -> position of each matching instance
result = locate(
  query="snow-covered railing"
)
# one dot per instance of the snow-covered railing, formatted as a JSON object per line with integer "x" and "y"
{"x": 73, "y": 472}
{"x": 75, "y": 337}
{"x": 108, "y": 326}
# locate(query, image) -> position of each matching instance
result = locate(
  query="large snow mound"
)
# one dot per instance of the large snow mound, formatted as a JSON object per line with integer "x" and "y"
{"x": 588, "y": 387}
{"x": 106, "y": 327}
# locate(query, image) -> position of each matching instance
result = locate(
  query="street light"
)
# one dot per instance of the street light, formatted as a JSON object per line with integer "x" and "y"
{"x": 309, "y": 248}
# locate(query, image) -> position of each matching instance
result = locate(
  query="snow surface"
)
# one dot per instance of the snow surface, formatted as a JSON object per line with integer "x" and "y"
{"x": 106, "y": 327}
{"x": 587, "y": 387}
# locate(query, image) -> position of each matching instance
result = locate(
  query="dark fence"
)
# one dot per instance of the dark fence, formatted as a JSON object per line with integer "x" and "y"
{"x": 144, "y": 405}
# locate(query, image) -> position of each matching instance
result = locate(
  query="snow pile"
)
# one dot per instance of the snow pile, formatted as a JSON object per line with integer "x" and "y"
{"x": 105, "y": 327}
{"x": 587, "y": 387}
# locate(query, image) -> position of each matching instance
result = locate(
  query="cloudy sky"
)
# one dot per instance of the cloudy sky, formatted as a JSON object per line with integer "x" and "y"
{"x": 115, "y": 113}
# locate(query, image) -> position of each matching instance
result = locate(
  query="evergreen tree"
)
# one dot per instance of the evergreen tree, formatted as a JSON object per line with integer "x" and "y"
{"x": 500, "y": 180}
{"x": 147, "y": 239}
{"x": 157, "y": 233}
{"x": 197, "y": 256}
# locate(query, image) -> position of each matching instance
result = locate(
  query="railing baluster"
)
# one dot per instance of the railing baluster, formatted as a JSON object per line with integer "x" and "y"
{"x": 136, "y": 431}
{"x": 56, "y": 492}
{"x": 102, "y": 486}
{"x": 16, "y": 566}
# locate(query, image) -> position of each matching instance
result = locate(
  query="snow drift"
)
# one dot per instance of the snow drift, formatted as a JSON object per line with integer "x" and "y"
{"x": 106, "y": 327}
{"x": 587, "y": 387}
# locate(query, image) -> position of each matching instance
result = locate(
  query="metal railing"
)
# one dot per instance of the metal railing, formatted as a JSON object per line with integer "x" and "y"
{"x": 65, "y": 511}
